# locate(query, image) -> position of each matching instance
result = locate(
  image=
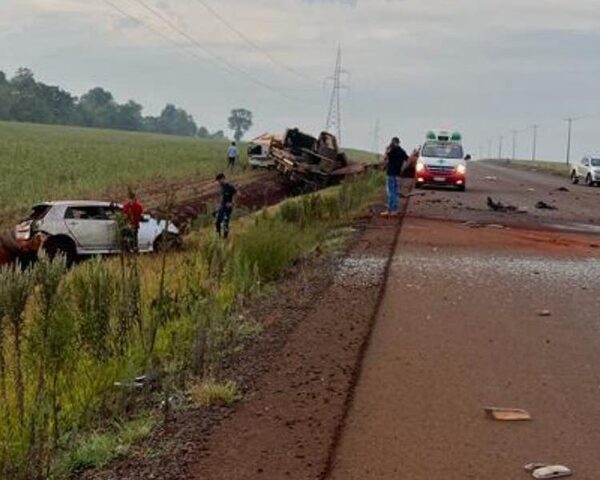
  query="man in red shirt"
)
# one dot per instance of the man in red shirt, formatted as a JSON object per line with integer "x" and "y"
{"x": 133, "y": 211}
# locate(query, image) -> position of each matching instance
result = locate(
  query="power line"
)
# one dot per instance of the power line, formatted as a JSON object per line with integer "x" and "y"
{"x": 221, "y": 61}
{"x": 249, "y": 41}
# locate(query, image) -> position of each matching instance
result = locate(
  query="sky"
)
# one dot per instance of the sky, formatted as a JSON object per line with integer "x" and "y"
{"x": 482, "y": 67}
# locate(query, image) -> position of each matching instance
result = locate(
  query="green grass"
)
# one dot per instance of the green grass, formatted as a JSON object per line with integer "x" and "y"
{"x": 98, "y": 449}
{"x": 101, "y": 322}
{"x": 42, "y": 162}
{"x": 210, "y": 392}
{"x": 363, "y": 156}
{"x": 556, "y": 168}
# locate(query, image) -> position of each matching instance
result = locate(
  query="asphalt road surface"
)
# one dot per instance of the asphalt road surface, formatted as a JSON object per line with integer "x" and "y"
{"x": 460, "y": 329}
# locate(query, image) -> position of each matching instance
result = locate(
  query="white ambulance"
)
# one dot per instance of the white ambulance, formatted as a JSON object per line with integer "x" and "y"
{"x": 442, "y": 160}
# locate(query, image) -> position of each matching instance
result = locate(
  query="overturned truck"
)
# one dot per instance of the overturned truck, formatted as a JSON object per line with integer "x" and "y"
{"x": 312, "y": 162}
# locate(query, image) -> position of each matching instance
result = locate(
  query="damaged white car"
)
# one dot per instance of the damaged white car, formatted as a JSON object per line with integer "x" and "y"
{"x": 78, "y": 228}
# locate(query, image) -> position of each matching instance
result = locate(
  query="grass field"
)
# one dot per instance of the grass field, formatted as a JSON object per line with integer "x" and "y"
{"x": 46, "y": 162}
{"x": 556, "y": 168}
{"x": 41, "y": 162}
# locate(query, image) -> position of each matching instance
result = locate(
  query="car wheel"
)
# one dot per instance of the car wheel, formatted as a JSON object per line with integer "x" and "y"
{"x": 462, "y": 188}
{"x": 574, "y": 179}
{"x": 167, "y": 242}
{"x": 64, "y": 247}
{"x": 588, "y": 181}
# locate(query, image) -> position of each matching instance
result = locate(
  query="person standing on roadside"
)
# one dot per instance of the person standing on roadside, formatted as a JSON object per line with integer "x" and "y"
{"x": 232, "y": 155}
{"x": 133, "y": 211}
{"x": 395, "y": 157}
{"x": 228, "y": 192}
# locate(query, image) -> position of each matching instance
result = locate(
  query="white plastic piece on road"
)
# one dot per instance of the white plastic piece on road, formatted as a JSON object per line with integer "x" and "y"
{"x": 530, "y": 467}
{"x": 553, "y": 471}
{"x": 508, "y": 414}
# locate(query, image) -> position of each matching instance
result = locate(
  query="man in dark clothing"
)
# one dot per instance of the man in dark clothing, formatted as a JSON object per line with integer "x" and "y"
{"x": 394, "y": 161}
{"x": 228, "y": 193}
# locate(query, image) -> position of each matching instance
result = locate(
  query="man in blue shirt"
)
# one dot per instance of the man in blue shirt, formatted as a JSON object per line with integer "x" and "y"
{"x": 228, "y": 192}
{"x": 232, "y": 155}
{"x": 394, "y": 161}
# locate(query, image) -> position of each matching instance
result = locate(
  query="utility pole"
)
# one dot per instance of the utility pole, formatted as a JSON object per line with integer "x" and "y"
{"x": 514, "y": 145}
{"x": 535, "y": 132}
{"x": 569, "y": 132}
{"x": 334, "y": 116}
{"x": 500, "y": 147}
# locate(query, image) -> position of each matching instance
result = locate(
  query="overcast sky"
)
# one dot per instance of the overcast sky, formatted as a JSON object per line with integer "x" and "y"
{"x": 484, "y": 67}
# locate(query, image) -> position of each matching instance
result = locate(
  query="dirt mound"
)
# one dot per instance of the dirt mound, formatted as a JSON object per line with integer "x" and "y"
{"x": 192, "y": 199}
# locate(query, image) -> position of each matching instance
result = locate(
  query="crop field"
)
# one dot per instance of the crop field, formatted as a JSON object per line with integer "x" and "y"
{"x": 41, "y": 162}
{"x": 47, "y": 162}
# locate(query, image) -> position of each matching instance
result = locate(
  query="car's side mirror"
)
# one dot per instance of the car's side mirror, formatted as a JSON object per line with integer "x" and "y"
{"x": 467, "y": 157}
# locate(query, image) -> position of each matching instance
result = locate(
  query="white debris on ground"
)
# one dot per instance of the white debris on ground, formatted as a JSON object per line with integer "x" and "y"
{"x": 361, "y": 272}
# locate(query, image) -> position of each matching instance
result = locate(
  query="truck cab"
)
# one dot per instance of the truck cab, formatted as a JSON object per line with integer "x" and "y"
{"x": 442, "y": 161}
{"x": 259, "y": 151}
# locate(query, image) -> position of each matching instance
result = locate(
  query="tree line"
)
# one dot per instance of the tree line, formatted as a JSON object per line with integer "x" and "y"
{"x": 24, "y": 99}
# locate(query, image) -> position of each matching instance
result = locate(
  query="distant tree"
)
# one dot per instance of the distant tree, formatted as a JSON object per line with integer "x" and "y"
{"x": 240, "y": 121}
{"x": 129, "y": 116}
{"x": 98, "y": 108}
{"x": 22, "y": 98}
{"x": 6, "y": 99}
{"x": 203, "y": 133}
{"x": 176, "y": 121}
{"x": 218, "y": 135}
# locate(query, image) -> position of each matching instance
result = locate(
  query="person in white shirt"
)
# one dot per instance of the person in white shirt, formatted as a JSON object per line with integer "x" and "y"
{"x": 232, "y": 155}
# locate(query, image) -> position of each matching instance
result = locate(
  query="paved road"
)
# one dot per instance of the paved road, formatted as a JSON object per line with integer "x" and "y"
{"x": 459, "y": 330}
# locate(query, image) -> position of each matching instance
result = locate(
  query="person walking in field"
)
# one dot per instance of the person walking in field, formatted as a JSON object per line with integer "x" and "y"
{"x": 133, "y": 211}
{"x": 395, "y": 157}
{"x": 228, "y": 193}
{"x": 232, "y": 155}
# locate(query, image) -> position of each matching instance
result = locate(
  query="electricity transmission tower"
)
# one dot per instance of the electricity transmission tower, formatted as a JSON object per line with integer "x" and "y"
{"x": 334, "y": 117}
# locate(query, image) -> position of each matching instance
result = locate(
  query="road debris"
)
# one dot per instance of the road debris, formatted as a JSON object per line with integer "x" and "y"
{"x": 545, "y": 206}
{"x": 552, "y": 471}
{"x": 544, "y": 313}
{"x": 562, "y": 189}
{"x": 472, "y": 224}
{"x": 501, "y": 207}
{"x": 490, "y": 178}
{"x": 507, "y": 414}
{"x": 530, "y": 467}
